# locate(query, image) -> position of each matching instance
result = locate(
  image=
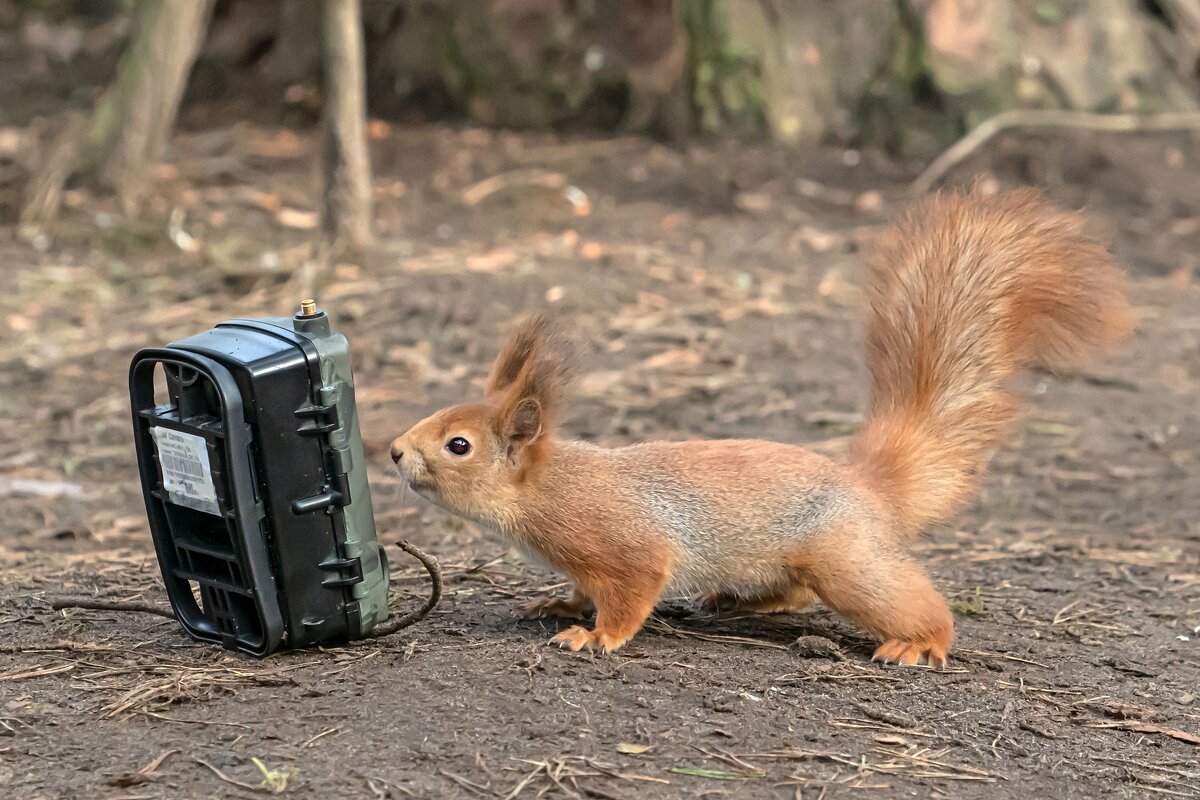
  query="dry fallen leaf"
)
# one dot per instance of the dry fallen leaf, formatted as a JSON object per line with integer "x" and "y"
{"x": 20, "y": 324}
{"x": 580, "y": 204}
{"x": 633, "y": 749}
{"x": 890, "y": 739}
{"x": 378, "y": 129}
{"x": 347, "y": 272}
{"x": 295, "y": 218}
{"x": 599, "y": 382}
{"x": 754, "y": 202}
{"x": 493, "y": 261}
{"x": 263, "y": 200}
{"x": 869, "y": 201}
{"x": 672, "y": 359}
{"x": 820, "y": 241}
{"x": 592, "y": 251}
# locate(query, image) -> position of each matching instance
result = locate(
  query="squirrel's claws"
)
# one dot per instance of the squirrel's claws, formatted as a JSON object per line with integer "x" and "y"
{"x": 575, "y": 637}
{"x": 578, "y": 637}
{"x": 910, "y": 654}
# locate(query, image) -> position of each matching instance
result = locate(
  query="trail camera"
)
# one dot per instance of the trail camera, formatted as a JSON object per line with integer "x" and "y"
{"x": 255, "y": 482}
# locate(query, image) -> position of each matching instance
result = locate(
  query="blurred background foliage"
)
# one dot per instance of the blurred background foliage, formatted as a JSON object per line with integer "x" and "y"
{"x": 909, "y": 75}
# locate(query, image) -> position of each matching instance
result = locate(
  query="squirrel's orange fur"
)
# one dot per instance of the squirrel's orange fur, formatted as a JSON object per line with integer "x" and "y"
{"x": 960, "y": 296}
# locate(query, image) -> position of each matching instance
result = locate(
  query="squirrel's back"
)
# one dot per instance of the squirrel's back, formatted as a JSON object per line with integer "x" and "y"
{"x": 962, "y": 294}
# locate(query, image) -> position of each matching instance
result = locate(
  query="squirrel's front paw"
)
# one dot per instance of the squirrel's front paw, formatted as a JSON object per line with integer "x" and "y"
{"x": 578, "y": 637}
{"x": 911, "y": 654}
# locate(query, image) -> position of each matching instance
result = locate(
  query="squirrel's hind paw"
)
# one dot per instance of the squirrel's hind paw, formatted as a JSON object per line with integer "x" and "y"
{"x": 911, "y": 654}
{"x": 555, "y": 607}
{"x": 713, "y": 602}
{"x": 791, "y": 600}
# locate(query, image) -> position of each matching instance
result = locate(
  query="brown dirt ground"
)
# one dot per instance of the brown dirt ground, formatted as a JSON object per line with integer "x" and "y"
{"x": 721, "y": 301}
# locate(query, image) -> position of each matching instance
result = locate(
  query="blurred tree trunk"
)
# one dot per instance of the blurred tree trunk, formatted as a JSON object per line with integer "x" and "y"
{"x": 43, "y": 194}
{"x": 985, "y": 56}
{"x": 811, "y": 62}
{"x": 134, "y": 118}
{"x": 1184, "y": 17}
{"x": 347, "y": 199}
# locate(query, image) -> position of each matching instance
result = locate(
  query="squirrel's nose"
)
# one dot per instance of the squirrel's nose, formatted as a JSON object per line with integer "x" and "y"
{"x": 397, "y": 452}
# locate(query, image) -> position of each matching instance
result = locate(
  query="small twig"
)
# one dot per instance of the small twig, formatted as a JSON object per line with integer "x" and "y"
{"x": 370, "y": 779}
{"x": 435, "y": 593}
{"x": 158, "y": 762}
{"x": 1047, "y": 118}
{"x": 35, "y": 673}
{"x": 919, "y": 757}
{"x": 323, "y": 733}
{"x": 225, "y": 777}
{"x": 67, "y": 646}
{"x": 555, "y": 776}
{"x": 110, "y": 605}
{"x": 203, "y": 722}
{"x": 476, "y": 193}
{"x": 657, "y": 624}
{"x": 466, "y": 784}
{"x": 1147, "y": 727}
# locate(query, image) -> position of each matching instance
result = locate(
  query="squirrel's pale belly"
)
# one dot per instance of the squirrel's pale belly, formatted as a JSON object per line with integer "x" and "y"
{"x": 725, "y": 544}
{"x": 734, "y": 524}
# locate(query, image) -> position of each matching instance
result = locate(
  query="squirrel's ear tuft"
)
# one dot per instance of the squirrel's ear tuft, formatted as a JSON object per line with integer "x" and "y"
{"x": 531, "y": 335}
{"x": 537, "y": 361}
{"x": 529, "y": 383}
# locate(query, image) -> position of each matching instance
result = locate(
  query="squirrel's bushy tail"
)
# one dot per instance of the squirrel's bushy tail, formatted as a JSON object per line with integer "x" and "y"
{"x": 962, "y": 294}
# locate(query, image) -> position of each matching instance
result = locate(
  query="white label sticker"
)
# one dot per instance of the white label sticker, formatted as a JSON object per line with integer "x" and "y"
{"x": 187, "y": 476}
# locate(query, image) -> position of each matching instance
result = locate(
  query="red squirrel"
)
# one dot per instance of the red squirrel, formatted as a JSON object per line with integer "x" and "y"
{"x": 961, "y": 295}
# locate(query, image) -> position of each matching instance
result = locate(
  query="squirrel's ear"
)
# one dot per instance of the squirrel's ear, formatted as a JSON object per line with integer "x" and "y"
{"x": 525, "y": 423}
{"x": 521, "y": 425}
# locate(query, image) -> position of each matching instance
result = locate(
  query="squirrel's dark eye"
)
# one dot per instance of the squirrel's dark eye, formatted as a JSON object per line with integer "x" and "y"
{"x": 458, "y": 446}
